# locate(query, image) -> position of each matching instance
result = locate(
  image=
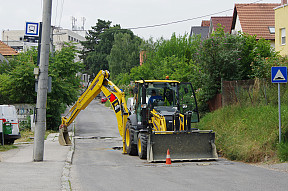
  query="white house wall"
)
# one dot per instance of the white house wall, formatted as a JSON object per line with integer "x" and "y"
{"x": 238, "y": 27}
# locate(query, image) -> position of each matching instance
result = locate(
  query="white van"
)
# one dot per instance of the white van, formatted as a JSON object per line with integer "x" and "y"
{"x": 8, "y": 116}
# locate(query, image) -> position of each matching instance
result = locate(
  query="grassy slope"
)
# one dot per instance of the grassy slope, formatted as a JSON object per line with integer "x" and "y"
{"x": 248, "y": 134}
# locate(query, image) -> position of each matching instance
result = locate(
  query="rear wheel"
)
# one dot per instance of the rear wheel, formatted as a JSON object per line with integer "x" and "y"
{"x": 8, "y": 141}
{"x": 142, "y": 145}
{"x": 131, "y": 148}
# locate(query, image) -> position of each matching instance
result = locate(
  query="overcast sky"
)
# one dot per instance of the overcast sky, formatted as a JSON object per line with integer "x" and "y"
{"x": 127, "y": 13}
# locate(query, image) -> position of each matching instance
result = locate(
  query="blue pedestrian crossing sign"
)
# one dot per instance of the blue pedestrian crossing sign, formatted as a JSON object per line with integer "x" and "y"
{"x": 279, "y": 74}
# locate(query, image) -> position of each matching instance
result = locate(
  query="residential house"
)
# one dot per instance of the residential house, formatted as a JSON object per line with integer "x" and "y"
{"x": 6, "y": 51}
{"x": 216, "y": 22}
{"x": 202, "y": 30}
{"x": 281, "y": 28}
{"x": 205, "y": 23}
{"x": 255, "y": 19}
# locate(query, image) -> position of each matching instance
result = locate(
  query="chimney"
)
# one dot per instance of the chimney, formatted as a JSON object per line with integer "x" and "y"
{"x": 283, "y": 2}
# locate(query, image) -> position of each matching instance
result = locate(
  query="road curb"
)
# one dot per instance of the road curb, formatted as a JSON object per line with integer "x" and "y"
{"x": 65, "y": 178}
{"x": 71, "y": 152}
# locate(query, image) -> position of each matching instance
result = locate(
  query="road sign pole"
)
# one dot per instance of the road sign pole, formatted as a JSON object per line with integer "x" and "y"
{"x": 279, "y": 75}
{"x": 279, "y": 110}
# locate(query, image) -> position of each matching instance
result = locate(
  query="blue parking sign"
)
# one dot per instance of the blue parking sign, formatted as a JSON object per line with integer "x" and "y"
{"x": 279, "y": 74}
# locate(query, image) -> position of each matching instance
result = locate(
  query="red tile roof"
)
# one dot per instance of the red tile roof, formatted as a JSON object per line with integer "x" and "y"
{"x": 205, "y": 23}
{"x": 225, "y": 22}
{"x": 256, "y": 18}
{"x": 6, "y": 50}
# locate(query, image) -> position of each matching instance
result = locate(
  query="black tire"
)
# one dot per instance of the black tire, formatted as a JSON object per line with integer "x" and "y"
{"x": 8, "y": 141}
{"x": 131, "y": 148}
{"x": 142, "y": 145}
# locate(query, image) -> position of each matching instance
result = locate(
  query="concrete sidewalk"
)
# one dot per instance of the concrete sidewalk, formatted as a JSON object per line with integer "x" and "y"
{"x": 19, "y": 172}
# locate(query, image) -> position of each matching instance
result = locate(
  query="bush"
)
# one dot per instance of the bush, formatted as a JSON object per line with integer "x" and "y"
{"x": 283, "y": 151}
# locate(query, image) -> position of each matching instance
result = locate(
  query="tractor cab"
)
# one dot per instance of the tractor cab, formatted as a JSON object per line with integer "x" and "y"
{"x": 166, "y": 97}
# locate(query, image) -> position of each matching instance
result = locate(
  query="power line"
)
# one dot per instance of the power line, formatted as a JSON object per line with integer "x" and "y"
{"x": 185, "y": 20}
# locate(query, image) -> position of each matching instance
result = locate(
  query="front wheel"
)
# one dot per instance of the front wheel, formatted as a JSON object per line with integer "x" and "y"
{"x": 8, "y": 141}
{"x": 142, "y": 145}
{"x": 131, "y": 148}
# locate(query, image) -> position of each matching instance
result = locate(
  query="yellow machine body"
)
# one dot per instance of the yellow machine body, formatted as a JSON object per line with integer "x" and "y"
{"x": 149, "y": 130}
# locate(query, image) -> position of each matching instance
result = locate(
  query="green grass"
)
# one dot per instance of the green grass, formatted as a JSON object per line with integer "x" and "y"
{"x": 107, "y": 104}
{"x": 28, "y": 136}
{"x": 283, "y": 151}
{"x": 248, "y": 134}
{"x": 7, "y": 147}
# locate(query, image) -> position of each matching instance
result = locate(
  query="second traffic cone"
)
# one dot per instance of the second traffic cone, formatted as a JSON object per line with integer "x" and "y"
{"x": 168, "y": 158}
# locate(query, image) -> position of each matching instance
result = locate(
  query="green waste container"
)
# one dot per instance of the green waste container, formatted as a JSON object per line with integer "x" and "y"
{"x": 7, "y": 128}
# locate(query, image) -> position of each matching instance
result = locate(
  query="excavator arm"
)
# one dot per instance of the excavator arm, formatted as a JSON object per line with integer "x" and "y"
{"x": 111, "y": 91}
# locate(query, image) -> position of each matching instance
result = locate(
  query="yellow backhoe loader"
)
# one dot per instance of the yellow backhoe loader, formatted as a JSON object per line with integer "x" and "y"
{"x": 160, "y": 119}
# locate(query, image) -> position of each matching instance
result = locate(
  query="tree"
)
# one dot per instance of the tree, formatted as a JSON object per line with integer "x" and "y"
{"x": 205, "y": 63}
{"x": 172, "y": 57}
{"x": 229, "y": 57}
{"x": 18, "y": 82}
{"x": 65, "y": 83}
{"x": 124, "y": 54}
{"x": 250, "y": 49}
{"x": 219, "y": 58}
{"x": 98, "y": 45}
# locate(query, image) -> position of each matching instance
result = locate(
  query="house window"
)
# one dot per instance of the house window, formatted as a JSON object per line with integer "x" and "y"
{"x": 283, "y": 36}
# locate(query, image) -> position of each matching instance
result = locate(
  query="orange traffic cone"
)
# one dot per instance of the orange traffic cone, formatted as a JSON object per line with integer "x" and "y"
{"x": 168, "y": 159}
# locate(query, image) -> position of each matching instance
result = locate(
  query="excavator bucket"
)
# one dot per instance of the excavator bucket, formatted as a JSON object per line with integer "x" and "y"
{"x": 183, "y": 146}
{"x": 64, "y": 137}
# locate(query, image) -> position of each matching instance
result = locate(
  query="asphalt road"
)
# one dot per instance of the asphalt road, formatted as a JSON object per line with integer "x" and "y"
{"x": 99, "y": 165}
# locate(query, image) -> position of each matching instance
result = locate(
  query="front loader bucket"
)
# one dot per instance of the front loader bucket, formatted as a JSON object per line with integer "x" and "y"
{"x": 183, "y": 146}
{"x": 64, "y": 137}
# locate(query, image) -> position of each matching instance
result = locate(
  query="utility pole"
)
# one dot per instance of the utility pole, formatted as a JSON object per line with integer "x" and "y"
{"x": 40, "y": 128}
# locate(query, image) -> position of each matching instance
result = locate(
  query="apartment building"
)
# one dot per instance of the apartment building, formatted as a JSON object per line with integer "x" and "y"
{"x": 15, "y": 39}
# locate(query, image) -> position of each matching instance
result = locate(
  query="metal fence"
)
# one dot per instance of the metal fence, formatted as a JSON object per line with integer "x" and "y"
{"x": 247, "y": 92}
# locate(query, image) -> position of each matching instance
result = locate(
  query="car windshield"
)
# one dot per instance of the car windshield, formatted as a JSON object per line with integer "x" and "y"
{"x": 161, "y": 94}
